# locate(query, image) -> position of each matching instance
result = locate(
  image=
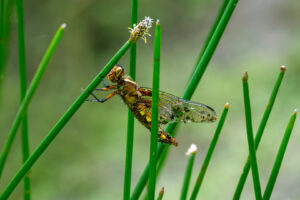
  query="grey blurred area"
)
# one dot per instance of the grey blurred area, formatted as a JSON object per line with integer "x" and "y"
{"x": 86, "y": 160}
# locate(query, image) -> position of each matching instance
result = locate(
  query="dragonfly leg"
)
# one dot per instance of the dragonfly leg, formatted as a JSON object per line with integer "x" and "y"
{"x": 166, "y": 138}
{"x": 101, "y": 100}
{"x": 104, "y": 83}
{"x": 107, "y": 88}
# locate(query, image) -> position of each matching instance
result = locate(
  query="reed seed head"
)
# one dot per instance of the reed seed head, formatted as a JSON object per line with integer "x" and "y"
{"x": 141, "y": 30}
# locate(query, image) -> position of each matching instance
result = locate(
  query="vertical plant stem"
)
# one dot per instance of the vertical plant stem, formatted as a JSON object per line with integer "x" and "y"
{"x": 161, "y": 193}
{"x": 32, "y": 88}
{"x": 63, "y": 121}
{"x": 23, "y": 85}
{"x": 253, "y": 161}
{"x": 6, "y": 8}
{"x": 2, "y": 43}
{"x": 154, "y": 113}
{"x": 212, "y": 30}
{"x": 279, "y": 157}
{"x": 259, "y": 133}
{"x": 209, "y": 153}
{"x": 130, "y": 123}
{"x": 210, "y": 49}
{"x": 188, "y": 171}
{"x": 192, "y": 85}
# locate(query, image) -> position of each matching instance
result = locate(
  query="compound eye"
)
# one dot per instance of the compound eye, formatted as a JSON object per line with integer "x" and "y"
{"x": 119, "y": 72}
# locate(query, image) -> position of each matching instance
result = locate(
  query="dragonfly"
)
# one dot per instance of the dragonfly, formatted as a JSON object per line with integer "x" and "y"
{"x": 139, "y": 100}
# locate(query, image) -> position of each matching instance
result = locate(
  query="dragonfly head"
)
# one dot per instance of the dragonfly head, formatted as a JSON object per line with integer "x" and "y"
{"x": 116, "y": 73}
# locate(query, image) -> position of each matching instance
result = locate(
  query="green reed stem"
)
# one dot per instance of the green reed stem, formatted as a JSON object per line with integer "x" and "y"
{"x": 192, "y": 85}
{"x": 212, "y": 30}
{"x": 63, "y": 121}
{"x": 130, "y": 122}
{"x": 154, "y": 113}
{"x": 161, "y": 193}
{"x": 209, "y": 153}
{"x": 6, "y": 9}
{"x": 253, "y": 161}
{"x": 23, "y": 85}
{"x": 32, "y": 88}
{"x": 279, "y": 157}
{"x": 259, "y": 133}
{"x": 188, "y": 173}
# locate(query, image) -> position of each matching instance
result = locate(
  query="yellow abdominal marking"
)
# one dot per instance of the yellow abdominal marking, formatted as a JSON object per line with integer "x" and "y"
{"x": 142, "y": 112}
{"x": 162, "y": 136}
{"x": 148, "y": 119}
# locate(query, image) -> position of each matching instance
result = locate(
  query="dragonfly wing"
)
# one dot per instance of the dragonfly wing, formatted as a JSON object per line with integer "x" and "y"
{"x": 175, "y": 109}
{"x": 165, "y": 112}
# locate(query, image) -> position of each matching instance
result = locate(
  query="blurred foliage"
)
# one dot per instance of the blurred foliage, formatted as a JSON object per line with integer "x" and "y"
{"x": 87, "y": 160}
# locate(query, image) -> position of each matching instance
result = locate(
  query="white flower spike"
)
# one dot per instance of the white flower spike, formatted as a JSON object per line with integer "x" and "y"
{"x": 192, "y": 149}
{"x": 141, "y": 30}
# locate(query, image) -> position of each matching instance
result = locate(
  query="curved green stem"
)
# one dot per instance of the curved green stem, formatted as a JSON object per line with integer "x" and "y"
{"x": 187, "y": 176}
{"x": 209, "y": 153}
{"x": 253, "y": 161}
{"x": 279, "y": 157}
{"x": 23, "y": 85}
{"x": 62, "y": 122}
{"x": 130, "y": 122}
{"x": 192, "y": 85}
{"x": 27, "y": 99}
{"x": 154, "y": 114}
{"x": 259, "y": 133}
{"x": 6, "y": 10}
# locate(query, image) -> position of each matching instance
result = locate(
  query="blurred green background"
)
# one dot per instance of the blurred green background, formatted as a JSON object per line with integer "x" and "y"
{"x": 86, "y": 161}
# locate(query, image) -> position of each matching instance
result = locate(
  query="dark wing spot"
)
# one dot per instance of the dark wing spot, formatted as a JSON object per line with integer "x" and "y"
{"x": 186, "y": 109}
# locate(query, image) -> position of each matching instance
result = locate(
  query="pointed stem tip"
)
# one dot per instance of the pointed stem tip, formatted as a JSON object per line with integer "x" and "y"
{"x": 282, "y": 68}
{"x": 191, "y": 150}
{"x": 63, "y": 26}
{"x": 162, "y": 190}
{"x": 295, "y": 111}
{"x": 157, "y": 22}
{"x": 245, "y": 76}
{"x": 227, "y": 105}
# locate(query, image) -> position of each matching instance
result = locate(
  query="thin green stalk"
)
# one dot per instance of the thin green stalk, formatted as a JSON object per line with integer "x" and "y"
{"x": 212, "y": 30}
{"x": 23, "y": 85}
{"x": 209, "y": 153}
{"x": 161, "y": 193}
{"x": 130, "y": 123}
{"x": 279, "y": 157}
{"x": 1, "y": 15}
{"x": 193, "y": 82}
{"x": 253, "y": 161}
{"x": 32, "y": 88}
{"x": 188, "y": 171}
{"x": 154, "y": 113}
{"x": 6, "y": 9}
{"x": 259, "y": 133}
{"x": 63, "y": 121}
{"x": 2, "y": 42}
